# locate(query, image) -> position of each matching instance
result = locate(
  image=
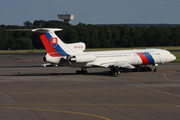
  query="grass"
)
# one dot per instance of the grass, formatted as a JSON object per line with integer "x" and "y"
{"x": 177, "y": 54}
{"x": 22, "y": 51}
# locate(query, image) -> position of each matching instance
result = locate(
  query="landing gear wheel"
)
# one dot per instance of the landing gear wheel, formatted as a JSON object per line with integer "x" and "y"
{"x": 77, "y": 72}
{"x": 155, "y": 70}
{"x": 83, "y": 71}
{"x": 118, "y": 73}
{"x": 112, "y": 72}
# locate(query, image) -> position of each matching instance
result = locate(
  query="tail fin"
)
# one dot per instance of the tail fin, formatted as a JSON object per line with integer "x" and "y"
{"x": 52, "y": 43}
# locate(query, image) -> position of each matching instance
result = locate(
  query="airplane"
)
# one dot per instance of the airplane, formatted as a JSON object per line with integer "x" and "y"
{"x": 73, "y": 55}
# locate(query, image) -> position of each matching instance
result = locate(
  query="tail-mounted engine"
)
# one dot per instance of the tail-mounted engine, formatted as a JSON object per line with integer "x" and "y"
{"x": 82, "y": 58}
{"x": 50, "y": 59}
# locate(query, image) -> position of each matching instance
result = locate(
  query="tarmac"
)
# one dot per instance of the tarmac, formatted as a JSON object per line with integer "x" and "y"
{"x": 57, "y": 93}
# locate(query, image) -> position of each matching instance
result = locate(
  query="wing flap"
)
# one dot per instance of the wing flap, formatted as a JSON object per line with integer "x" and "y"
{"x": 123, "y": 64}
{"x": 126, "y": 65}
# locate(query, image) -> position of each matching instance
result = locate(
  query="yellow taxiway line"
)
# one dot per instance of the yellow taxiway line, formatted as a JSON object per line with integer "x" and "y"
{"x": 47, "y": 110}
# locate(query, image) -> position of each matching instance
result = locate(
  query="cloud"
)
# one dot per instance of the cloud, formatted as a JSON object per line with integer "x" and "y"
{"x": 70, "y": 3}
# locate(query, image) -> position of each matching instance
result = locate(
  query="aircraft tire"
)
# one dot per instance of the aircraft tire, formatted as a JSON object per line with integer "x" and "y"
{"x": 118, "y": 73}
{"x": 77, "y": 72}
{"x": 81, "y": 72}
{"x": 155, "y": 70}
{"x": 111, "y": 72}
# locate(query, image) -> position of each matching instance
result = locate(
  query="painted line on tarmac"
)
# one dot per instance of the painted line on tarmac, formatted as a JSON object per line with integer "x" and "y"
{"x": 167, "y": 93}
{"x": 172, "y": 71}
{"x": 164, "y": 76}
{"x": 121, "y": 105}
{"x": 66, "y": 91}
{"x": 47, "y": 110}
{"x": 163, "y": 68}
{"x": 147, "y": 88}
{"x": 84, "y": 90}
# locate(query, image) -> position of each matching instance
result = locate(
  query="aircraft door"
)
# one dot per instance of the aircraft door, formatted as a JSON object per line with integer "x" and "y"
{"x": 156, "y": 57}
{"x": 136, "y": 60}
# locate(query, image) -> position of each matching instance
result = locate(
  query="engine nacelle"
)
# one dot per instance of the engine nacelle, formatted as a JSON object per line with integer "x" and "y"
{"x": 50, "y": 59}
{"x": 83, "y": 58}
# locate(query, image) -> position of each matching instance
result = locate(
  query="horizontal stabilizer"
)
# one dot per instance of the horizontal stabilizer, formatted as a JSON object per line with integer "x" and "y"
{"x": 46, "y": 30}
{"x": 38, "y": 30}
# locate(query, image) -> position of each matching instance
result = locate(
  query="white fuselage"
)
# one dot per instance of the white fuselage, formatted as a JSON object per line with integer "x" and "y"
{"x": 133, "y": 57}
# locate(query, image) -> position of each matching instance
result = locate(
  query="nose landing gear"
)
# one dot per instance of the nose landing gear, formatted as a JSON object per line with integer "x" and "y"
{"x": 156, "y": 69}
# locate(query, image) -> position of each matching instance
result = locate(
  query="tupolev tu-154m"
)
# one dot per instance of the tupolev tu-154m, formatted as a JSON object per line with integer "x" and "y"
{"x": 73, "y": 55}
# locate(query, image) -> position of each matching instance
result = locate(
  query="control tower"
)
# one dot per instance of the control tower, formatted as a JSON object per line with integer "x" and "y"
{"x": 66, "y": 17}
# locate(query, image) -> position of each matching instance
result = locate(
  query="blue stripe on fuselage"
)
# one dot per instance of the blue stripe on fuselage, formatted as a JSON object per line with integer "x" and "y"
{"x": 149, "y": 57}
{"x": 57, "y": 48}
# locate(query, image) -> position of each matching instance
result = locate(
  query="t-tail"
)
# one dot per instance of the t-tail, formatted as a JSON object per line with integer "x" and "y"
{"x": 57, "y": 50}
{"x": 55, "y": 47}
{"x": 52, "y": 43}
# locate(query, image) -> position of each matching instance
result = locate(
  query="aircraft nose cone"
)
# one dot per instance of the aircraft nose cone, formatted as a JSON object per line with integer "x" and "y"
{"x": 173, "y": 57}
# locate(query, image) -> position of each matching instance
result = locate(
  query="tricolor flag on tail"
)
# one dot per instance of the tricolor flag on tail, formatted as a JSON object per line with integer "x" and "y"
{"x": 52, "y": 45}
{"x": 54, "y": 41}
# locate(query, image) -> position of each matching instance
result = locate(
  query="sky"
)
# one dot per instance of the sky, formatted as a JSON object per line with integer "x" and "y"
{"x": 16, "y": 12}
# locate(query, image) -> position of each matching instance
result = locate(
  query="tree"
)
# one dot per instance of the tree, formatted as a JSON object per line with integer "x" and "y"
{"x": 94, "y": 40}
{"x": 94, "y": 36}
{"x": 39, "y": 23}
{"x": 23, "y": 43}
{"x": 103, "y": 38}
{"x": 27, "y": 24}
{"x": 116, "y": 37}
{"x": 84, "y": 36}
{"x": 176, "y": 36}
{"x": 36, "y": 41}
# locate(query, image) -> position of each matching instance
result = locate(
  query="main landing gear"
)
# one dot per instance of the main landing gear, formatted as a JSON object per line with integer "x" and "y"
{"x": 114, "y": 70}
{"x": 82, "y": 71}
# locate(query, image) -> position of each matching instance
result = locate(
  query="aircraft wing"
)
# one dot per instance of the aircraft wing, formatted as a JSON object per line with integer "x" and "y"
{"x": 122, "y": 64}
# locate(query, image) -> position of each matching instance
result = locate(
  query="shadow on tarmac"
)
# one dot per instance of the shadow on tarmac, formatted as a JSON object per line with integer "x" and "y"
{"x": 102, "y": 73}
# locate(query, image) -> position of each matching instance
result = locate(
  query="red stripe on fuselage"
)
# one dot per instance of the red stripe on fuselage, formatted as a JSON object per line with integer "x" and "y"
{"x": 50, "y": 50}
{"x": 143, "y": 58}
